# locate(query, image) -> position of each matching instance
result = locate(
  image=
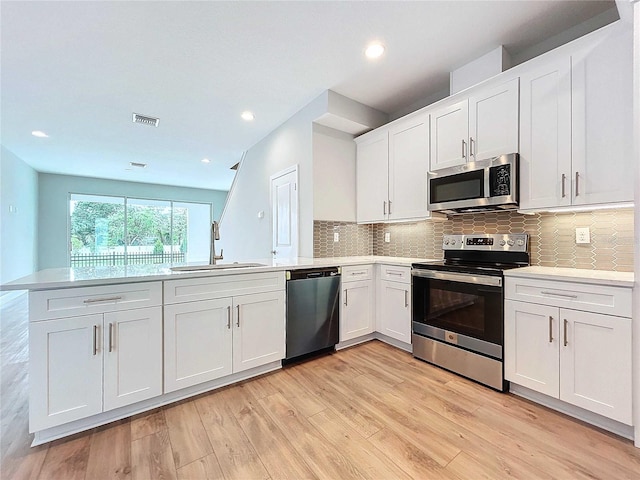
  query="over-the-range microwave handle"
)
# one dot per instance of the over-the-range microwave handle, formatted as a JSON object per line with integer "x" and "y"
{"x": 458, "y": 277}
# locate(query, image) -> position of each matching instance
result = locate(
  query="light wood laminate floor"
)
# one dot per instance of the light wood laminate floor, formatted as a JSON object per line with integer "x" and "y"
{"x": 368, "y": 412}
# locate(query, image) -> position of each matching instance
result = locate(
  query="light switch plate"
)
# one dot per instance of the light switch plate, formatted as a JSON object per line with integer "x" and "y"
{"x": 583, "y": 235}
{"x": 387, "y": 237}
{"x": 336, "y": 236}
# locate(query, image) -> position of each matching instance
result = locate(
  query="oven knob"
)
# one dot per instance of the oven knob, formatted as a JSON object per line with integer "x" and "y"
{"x": 453, "y": 242}
{"x": 502, "y": 243}
{"x": 446, "y": 242}
{"x": 520, "y": 242}
{"x": 510, "y": 242}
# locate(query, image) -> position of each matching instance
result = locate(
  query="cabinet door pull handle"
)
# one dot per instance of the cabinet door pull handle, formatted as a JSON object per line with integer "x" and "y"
{"x": 95, "y": 339}
{"x": 384, "y": 207}
{"x": 577, "y": 181}
{"x": 389, "y": 207}
{"x": 238, "y": 312}
{"x": 464, "y": 149}
{"x": 110, "y": 337}
{"x": 346, "y": 297}
{"x": 104, "y": 299}
{"x": 229, "y": 317}
{"x": 550, "y": 329}
{"x": 397, "y": 274}
{"x": 471, "y": 143}
{"x": 554, "y": 294}
{"x": 406, "y": 299}
{"x": 564, "y": 180}
{"x": 565, "y": 332}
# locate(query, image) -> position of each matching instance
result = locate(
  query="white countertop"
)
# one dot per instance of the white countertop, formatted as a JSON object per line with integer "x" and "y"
{"x": 579, "y": 275}
{"x": 93, "y": 276}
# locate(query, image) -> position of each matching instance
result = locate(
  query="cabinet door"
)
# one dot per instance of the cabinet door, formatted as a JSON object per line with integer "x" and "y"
{"x": 372, "y": 175}
{"x": 449, "y": 135}
{"x": 595, "y": 363}
{"x": 602, "y": 102}
{"x": 395, "y": 310}
{"x": 132, "y": 356}
{"x": 408, "y": 165}
{"x": 197, "y": 342}
{"x": 545, "y": 135}
{"x": 531, "y": 344}
{"x": 65, "y": 370}
{"x": 356, "y": 312}
{"x": 493, "y": 121}
{"x": 258, "y": 329}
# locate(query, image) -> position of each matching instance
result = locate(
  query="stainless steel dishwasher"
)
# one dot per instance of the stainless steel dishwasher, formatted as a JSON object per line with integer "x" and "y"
{"x": 313, "y": 311}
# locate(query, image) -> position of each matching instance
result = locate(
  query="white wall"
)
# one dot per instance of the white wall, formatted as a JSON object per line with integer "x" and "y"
{"x": 334, "y": 175}
{"x": 636, "y": 222}
{"x": 243, "y": 235}
{"x": 53, "y": 207}
{"x": 18, "y": 217}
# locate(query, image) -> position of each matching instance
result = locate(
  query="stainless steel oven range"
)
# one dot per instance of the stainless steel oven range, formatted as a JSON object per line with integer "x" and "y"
{"x": 457, "y": 310}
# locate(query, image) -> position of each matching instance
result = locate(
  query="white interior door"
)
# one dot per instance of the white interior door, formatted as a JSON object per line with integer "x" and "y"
{"x": 284, "y": 213}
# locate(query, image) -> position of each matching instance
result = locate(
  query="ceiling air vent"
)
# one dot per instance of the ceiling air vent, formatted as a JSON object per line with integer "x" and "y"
{"x": 137, "y": 164}
{"x": 145, "y": 120}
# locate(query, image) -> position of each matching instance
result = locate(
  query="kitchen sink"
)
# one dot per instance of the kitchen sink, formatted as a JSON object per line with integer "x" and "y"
{"x": 218, "y": 266}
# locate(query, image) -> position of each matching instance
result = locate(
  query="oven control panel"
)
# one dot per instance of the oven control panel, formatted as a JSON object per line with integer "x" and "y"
{"x": 512, "y": 242}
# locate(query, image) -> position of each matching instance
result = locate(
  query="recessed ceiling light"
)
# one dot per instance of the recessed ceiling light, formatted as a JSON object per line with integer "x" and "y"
{"x": 39, "y": 134}
{"x": 248, "y": 116}
{"x": 374, "y": 50}
{"x": 205, "y": 160}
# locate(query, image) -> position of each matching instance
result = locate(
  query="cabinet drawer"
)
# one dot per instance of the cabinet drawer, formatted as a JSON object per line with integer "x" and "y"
{"x": 577, "y": 296}
{"x": 357, "y": 272}
{"x": 395, "y": 273}
{"x": 71, "y": 302}
{"x": 209, "y": 288}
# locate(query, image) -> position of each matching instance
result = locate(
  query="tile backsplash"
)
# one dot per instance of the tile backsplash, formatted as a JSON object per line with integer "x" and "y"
{"x": 552, "y": 237}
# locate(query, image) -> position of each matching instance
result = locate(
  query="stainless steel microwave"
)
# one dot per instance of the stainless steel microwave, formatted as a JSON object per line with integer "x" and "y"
{"x": 485, "y": 185}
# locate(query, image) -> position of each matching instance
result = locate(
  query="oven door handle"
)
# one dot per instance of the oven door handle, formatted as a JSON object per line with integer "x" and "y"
{"x": 458, "y": 277}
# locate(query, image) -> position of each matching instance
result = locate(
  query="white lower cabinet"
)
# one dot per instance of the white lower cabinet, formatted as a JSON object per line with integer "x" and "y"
{"x": 82, "y": 366}
{"x": 582, "y": 358}
{"x": 357, "y": 308}
{"x": 209, "y": 339}
{"x": 394, "y": 303}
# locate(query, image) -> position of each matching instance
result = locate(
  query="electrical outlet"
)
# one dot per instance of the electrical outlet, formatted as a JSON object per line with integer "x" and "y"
{"x": 336, "y": 236}
{"x": 583, "y": 235}
{"x": 387, "y": 237}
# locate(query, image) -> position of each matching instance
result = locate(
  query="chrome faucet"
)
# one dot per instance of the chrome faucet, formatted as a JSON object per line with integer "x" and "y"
{"x": 215, "y": 235}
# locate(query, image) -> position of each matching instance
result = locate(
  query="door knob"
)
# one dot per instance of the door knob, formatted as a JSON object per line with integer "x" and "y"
{"x": 273, "y": 252}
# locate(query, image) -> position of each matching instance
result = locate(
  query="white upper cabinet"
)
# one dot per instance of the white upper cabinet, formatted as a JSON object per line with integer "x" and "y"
{"x": 392, "y": 165}
{"x": 545, "y": 128}
{"x": 577, "y": 125}
{"x": 372, "y": 177}
{"x": 493, "y": 121}
{"x": 482, "y": 126}
{"x": 602, "y": 120}
{"x": 449, "y": 135}
{"x": 408, "y": 165}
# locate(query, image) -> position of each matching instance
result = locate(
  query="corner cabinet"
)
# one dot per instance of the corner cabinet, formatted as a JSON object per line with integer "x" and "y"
{"x": 394, "y": 303}
{"x": 392, "y": 164}
{"x": 102, "y": 355}
{"x": 357, "y": 296}
{"x": 576, "y": 125}
{"x": 216, "y": 326}
{"x": 483, "y": 125}
{"x": 572, "y": 342}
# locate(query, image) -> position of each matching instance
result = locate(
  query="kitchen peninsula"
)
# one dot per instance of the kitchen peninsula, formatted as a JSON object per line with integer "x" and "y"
{"x": 109, "y": 342}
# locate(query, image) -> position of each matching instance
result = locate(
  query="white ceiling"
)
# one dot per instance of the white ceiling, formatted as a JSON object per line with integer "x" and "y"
{"x": 77, "y": 71}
